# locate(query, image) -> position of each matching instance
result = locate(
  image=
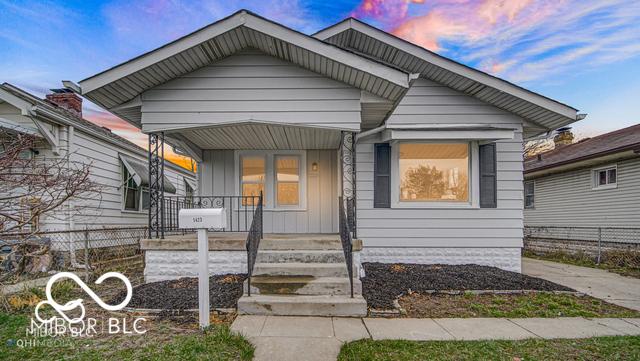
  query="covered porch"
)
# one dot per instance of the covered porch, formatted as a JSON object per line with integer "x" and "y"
{"x": 300, "y": 173}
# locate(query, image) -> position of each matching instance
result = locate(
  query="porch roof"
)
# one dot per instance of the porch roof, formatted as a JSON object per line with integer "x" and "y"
{"x": 259, "y": 135}
{"x": 542, "y": 112}
{"x": 118, "y": 89}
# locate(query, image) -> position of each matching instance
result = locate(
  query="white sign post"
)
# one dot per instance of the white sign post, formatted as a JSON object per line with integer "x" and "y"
{"x": 203, "y": 219}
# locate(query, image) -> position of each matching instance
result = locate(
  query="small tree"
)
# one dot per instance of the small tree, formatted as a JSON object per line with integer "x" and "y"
{"x": 33, "y": 187}
{"x": 425, "y": 182}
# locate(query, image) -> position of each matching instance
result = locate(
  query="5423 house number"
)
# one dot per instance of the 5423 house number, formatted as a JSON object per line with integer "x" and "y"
{"x": 197, "y": 219}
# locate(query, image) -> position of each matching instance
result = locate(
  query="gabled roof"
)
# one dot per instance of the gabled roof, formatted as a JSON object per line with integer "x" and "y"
{"x": 76, "y": 121}
{"x": 374, "y": 43}
{"x": 117, "y": 89}
{"x": 626, "y": 139}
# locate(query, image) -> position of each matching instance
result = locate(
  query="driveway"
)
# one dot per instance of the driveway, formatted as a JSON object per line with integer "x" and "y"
{"x": 608, "y": 286}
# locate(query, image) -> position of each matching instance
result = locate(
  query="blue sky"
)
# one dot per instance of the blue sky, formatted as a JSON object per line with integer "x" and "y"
{"x": 583, "y": 53}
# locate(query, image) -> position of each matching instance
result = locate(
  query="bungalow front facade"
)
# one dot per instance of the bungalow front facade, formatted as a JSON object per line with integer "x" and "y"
{"x": 425, "y": 153}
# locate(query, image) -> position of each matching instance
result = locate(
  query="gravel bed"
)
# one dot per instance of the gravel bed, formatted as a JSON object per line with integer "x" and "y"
{"x": 182, "y": 294}
{"x": 386, "y": 282}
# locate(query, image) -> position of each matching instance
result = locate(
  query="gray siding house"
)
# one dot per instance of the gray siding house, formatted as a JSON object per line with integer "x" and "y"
{"x": 592, "y": 183}
{"x": 425, "y": 152}
{"x": 117, "y": 166}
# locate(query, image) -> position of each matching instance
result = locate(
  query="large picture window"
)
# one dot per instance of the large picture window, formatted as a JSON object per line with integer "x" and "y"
{"x": 434, "y": 172}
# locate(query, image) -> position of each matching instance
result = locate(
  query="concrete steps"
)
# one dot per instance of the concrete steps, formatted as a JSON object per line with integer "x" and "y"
{"x": 300, "y": 269}
{"x": 302, "y": 276}
{"x": 304, "y": 285}
{"x": 300, "y": 256}
{"x": 297, "y": 305}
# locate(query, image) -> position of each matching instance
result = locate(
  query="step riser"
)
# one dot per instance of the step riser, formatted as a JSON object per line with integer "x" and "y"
{"x": 300, "y": 257}
{"x": 268, "y": 244}
{"x": 250, "y": 306}
{"x": 328, "y": 288}
{"x": 283, "y": 269}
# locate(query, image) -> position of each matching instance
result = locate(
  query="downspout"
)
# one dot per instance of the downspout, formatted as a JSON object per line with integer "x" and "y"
{"x": 70, "y": 208}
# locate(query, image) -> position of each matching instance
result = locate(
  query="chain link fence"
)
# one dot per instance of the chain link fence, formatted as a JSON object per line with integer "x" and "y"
{"x": 618, "y": 245}
{"x": 88, "y": 252}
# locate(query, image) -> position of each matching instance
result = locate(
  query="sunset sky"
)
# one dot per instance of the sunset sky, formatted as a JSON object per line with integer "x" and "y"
{"x": 583, "y": 53}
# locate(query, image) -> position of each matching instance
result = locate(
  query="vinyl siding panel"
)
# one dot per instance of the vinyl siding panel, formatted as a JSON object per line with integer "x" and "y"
{"x": 428, "y": 102}
{"x": 251, "y": 86}
{"x": 218, "y": 177}
{"x": 103, "y": 209}
{"x": 567, "y": 199}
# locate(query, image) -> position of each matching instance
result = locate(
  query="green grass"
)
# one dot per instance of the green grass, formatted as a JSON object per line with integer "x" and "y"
{"x": 600, "y": 348}
{"x": 625, "y": 264}
{"x": 216, "y": 343}
{"x": 511, "y": 306}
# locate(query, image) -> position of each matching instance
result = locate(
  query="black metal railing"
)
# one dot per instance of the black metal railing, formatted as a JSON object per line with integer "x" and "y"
{"x": 253, "y": 241}
{"x": 351, "y": 215}
{"x": 347, "y": 241}
{"x": 240, "y": 211}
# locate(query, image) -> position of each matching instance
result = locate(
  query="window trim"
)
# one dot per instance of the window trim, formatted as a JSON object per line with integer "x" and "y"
{"x": 594, "y": 177}
{"x": 524, "y": 194}
{"x": 123, "y": 190}
{"x": 270, "y": 177}
{"x": 474, "y": 180}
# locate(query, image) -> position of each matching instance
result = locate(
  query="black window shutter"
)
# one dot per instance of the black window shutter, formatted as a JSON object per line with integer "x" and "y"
{"x": 488, "y": 178}
{"x": 382, "y": 176}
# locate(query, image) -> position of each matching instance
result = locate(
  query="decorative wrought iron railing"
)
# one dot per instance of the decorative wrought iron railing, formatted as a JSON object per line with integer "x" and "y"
{"x": 253, "y": 241}
{"x": 351, "y": 215}
{"x": 241, "y": 211}
{"x": 347, "y": 241}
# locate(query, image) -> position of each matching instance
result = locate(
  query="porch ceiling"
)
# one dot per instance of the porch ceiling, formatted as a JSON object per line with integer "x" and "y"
{"x": 262, "y": 136}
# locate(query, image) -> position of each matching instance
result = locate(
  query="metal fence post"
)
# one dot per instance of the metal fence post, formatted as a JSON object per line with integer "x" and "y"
{"x": 86, "y": 255}
{"x": 599, "y": 243}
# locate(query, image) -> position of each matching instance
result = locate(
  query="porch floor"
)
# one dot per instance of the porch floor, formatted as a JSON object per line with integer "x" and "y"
{"x": 232, "y": 241}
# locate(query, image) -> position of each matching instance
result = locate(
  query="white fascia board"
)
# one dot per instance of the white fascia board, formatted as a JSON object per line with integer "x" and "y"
{"x": 127, "y": 68}
{"x": 496, "y": 134}
{"x": 450, "y": 65}
{"x": 330, "y": 51}
{"x": 178, "y": 129}
{"x": 243, "y": 18}
{"x": 21, "y": 104}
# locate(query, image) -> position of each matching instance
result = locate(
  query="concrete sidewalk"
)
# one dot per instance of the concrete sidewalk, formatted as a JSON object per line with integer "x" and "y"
{"x": 320, "y": 338}
{"x": 620, "y": 290}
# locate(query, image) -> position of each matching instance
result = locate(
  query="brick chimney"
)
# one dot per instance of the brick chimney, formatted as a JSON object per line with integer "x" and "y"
{"x": 563, "y": 138}
{"x": 66, "y": 99}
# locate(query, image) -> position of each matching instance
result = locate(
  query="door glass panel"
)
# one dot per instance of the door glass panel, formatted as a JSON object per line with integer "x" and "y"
{"x": 288, "y": 180}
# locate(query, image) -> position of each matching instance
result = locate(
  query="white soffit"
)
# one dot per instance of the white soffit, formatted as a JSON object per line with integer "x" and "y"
{"x": 123, "y": 83}
{"x": 369, "y": 41}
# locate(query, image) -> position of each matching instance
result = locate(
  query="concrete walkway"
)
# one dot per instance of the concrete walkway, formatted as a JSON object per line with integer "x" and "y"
{"x": 608, "y": 286}
{"x": 319, "y": 338}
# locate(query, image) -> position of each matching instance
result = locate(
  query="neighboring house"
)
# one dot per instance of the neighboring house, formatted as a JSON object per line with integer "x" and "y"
{"x": 592, "y": 183}
{"x": 118, "y": 166}
{"x": 265, "y": 108}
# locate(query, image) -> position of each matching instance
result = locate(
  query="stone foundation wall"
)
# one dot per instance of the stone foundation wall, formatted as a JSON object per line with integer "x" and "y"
{"x": 161, "y": 265}
{"x": 505, "y": 258}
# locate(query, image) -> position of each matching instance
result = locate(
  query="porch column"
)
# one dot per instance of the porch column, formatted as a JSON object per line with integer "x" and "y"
{"x": 348, "y": 157}
{"x": 156, "y": 185}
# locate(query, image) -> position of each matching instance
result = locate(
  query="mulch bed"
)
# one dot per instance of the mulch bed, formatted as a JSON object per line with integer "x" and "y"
{"x": 385, "y": 282}
{"x": 182, "y": 294}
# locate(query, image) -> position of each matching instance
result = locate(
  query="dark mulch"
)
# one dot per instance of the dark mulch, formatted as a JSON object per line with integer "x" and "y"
{"x": 386, "y": 282}
{"x": 182, "y": 294}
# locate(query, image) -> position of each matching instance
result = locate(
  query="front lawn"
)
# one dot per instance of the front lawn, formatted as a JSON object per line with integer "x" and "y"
{"x": 509, "y": 305}
{"x": 625, "y": 263}
{"x": 601, "y": 348}
{"x": 163, "y": 341}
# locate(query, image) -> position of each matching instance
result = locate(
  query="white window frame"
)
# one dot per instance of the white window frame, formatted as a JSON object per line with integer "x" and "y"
{"x": 123, "y": 188}
{"x": 595, "y": 172}
{"x": 474, "y": 180}
{"x": 270, "y": 177}
{"x": 524, "y": 193}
